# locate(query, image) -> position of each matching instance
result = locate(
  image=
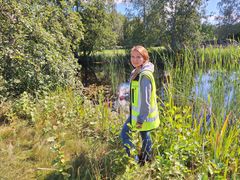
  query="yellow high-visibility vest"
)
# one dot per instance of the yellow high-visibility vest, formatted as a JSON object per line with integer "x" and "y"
{"x": 152, "y": 121}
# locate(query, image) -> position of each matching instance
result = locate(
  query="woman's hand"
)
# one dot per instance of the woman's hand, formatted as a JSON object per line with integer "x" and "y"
{"x": 139, "y": 125}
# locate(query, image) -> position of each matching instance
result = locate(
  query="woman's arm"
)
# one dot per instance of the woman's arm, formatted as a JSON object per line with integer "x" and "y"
{"x": 145, "y": 94}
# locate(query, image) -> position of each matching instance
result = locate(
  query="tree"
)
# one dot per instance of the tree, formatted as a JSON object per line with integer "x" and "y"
{"x": 208, "y": 31}
{"x": 183, "y": 19}
{"x": 229, "y": 19}
{"x": 98, "y": 32}
{"x": 176, "y": 22}
{"x": 37, "y": 43}
{"x": 230, "y": 11}
{"x": 141, "y": 23}
{"x": 133, "y": 32}
{"x": 117, "y": 23}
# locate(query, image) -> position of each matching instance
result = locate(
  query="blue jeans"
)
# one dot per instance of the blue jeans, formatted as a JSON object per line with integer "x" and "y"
{"x": 146, "y": 141}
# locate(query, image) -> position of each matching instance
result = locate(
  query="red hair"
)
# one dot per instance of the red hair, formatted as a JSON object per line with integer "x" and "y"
{"x": 142, "y": 51}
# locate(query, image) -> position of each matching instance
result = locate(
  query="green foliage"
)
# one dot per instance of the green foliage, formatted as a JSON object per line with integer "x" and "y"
{"x": 72, "y": 137}
{"x": 62, "y": 134}
{"x": 37, "y": 44}
{"x": 117, "y": 21}
{"x": 229, "y": 31}
{"x": 59, "y": 161}
{"x": 184, "y": 14}
{"x": 166, "y": 27}
{"x": 185, "y": 146}
{"x": 24, "y": 107}
{"x": 133, "y": 32}
{"x": 98, "y": 31}
{"x": 207, "y": 31}
{"x": 66, "y": 130}
{"x": 229, "y": 9}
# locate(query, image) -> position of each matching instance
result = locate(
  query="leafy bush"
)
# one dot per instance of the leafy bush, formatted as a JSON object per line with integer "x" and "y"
{"x": 37, "y": 44}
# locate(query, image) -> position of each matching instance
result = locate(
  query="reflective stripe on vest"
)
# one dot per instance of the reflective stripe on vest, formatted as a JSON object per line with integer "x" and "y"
{"x": 152, "y": 121}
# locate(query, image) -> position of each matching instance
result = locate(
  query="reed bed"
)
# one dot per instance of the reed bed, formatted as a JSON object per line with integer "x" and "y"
{"x": 65, "y": 135}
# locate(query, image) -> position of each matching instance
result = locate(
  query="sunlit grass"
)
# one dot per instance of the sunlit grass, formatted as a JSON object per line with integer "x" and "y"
{"x": 111, "y": 52}
{"x": 63, "y": 134}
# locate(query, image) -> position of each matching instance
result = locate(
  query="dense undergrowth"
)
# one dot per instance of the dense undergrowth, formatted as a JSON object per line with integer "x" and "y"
{"x": 63, "y": 135}
{"x": 68, "y": 133}
{"x": 50, "y": 128}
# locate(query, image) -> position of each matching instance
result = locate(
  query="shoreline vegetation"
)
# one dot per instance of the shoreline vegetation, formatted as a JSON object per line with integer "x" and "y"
{"x": 62, "y": 63}
{"x": 72, "y": 133}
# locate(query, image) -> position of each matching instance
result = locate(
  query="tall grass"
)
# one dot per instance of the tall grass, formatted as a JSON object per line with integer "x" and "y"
{"x": 206, "y": 78}
{"x": 64, "y": 135}
{"x": 62, "y": 128}
{"x": 73, "y": 138}
{"x": 199, "y": 132}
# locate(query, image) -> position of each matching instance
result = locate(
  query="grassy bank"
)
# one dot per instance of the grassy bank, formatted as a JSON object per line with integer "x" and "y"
{"x": 61, "y": 135}
{"x": 65, "y": 136}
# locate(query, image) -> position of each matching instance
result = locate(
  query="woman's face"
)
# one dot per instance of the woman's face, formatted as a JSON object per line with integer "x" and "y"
{"x": 136, "y": 59}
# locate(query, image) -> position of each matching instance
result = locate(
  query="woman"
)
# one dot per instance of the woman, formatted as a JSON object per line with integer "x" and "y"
{"x": 143, "y": 105}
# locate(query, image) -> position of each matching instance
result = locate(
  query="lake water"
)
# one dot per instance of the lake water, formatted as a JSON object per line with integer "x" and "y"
{"x": 210, "y": 90}
{"x": 216, "y": 89}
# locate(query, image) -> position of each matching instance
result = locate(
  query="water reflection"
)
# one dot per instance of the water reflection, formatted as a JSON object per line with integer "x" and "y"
{"x": 215, "y": 91}
{"x": 211, "y": 91}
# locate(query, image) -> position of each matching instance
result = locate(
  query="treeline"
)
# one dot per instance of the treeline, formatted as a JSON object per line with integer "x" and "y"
{"x": 179, "y": 24}
{"x": 42, "y": 41}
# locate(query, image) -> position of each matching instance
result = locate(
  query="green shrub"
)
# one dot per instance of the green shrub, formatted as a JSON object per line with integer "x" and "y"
{"x": 37, "y": 44}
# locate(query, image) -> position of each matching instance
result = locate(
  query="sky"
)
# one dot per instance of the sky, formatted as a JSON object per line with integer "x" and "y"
{"x": 211, "y": 8}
